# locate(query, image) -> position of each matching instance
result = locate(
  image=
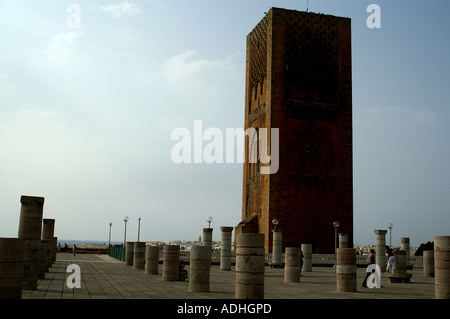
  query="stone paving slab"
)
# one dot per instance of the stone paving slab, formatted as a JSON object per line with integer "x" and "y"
{"x": 110, "y": 288}
{"x": 103, "y": 277}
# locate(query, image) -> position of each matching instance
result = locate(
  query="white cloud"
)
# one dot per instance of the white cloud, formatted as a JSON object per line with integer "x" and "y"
{"x": 190, "y": 77}
{"x": 425, "y": 116}
{"x": 119, "y": 10}
{"x": 61, "y": 47}
{"x": 6, "y": 85}
{"x": 39, "y": 144}
{"x": 405, "y": 113}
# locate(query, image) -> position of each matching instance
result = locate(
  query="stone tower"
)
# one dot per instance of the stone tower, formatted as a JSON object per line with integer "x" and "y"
{"x": 298, "y": 79}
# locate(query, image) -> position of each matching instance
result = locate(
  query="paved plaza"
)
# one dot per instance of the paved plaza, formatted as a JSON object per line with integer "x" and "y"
{"x": 103, "y": 277}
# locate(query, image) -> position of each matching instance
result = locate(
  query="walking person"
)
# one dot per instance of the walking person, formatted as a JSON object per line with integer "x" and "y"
{"x": 390, "y": 262}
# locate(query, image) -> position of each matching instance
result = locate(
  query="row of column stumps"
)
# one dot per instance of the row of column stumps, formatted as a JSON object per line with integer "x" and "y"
{"x": 250, "y": 263}
{"x": 436, "y": 263}
{"x": 25, "y": 259}
{"x": 277, "y": 252}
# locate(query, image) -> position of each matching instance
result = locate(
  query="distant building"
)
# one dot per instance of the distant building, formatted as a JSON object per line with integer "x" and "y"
{"x": 298, "y": 79}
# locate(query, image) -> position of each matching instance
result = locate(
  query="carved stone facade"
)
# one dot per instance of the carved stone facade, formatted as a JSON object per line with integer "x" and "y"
{"x": 298, "y": 79}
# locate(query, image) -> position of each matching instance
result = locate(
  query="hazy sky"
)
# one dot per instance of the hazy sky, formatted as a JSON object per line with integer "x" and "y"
{"x": 87, "y": 108}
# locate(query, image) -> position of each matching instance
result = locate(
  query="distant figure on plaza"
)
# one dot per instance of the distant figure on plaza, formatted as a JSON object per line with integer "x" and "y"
{"x": 183, "y": 274}
{"x": 74, "y": 249}
{"x": 301, "y": 260}
{"x": 370, "y": 261}
{"x": 390, "y": 262}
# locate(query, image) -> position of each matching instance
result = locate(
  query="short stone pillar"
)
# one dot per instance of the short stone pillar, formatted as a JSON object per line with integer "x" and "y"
{"x": 346, "y": 270}
{"x": 129, "y": 253}
{"x": 225, "y": 248}
{"x": 31, "y": 213}
{"x": 380, "y": 249}
{"x": 401, "y": 273}
{"x": 406, "y": 248}
{"x": 442, "y": 267}
{"x": 44, "y": 257}
{"x": 30, "y": 229}
{"x": 343, "y": 240}
{"x": 200, "y": 265}
{"x": 55, "y": 251}
{"x": 400, "y": 262}
{"x": 139, "y": 255}
{"x": 307, "y": 257}
{"x": 32, "y": 250}
{"x": 48, "y": 229}
{"x": 428, "y": 263}
{"x": 11, "y": 267}
{"x": 171, "y": 262}
{"x": 250, "y": 264}
{"x": 151, "y": 260}
{"x": 207, "y": 237}
{"x": 292, "y": 269}
{"x": 276, "y": 249}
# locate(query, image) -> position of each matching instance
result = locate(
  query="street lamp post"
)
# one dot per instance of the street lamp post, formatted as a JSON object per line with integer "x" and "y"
{"x": 276, "y": 245}
{"x": 209, "y": 220}
{"x": 390, "y": 225}
{"x": 109, "y": 241}
{"x": 335, "y": 225}
{"x": 275, "y": 223}
{"x": 125, "y": 219}
{"x": 139, "y": 227}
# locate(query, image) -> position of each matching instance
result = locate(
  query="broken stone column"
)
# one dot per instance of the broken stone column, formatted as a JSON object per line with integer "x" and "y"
{"x": 171, "y": 260}
{"x": 139, "y": 255}
{"x": 207, "y": 237}
{"x": 250, "y": 263}
{"x": 11, "y": 267}
{"x": 276, "y": 249}
{"x": 292, "y": 269}
{"x": 406, "y": 248}
{"x": 428, "y": 263}
{"x": 30, "y": 229}
{"x": 200, "y": 265}
{"x": 343, "y": 240}
{"x": 225, "y": 248}
{"x": 48, "y": 230}
{"x": 55, "y": 251}
{"x": 129, "y": 253}
{"x": 44, "y": 257}
{"x": 380, "y": 249}
{"x": 401, "y": 267}
{"x": 346, "y": 270}
{"x": 442, "y": 267}
{"x": 307, "y": 257}
{"x": 151, "y": 260}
